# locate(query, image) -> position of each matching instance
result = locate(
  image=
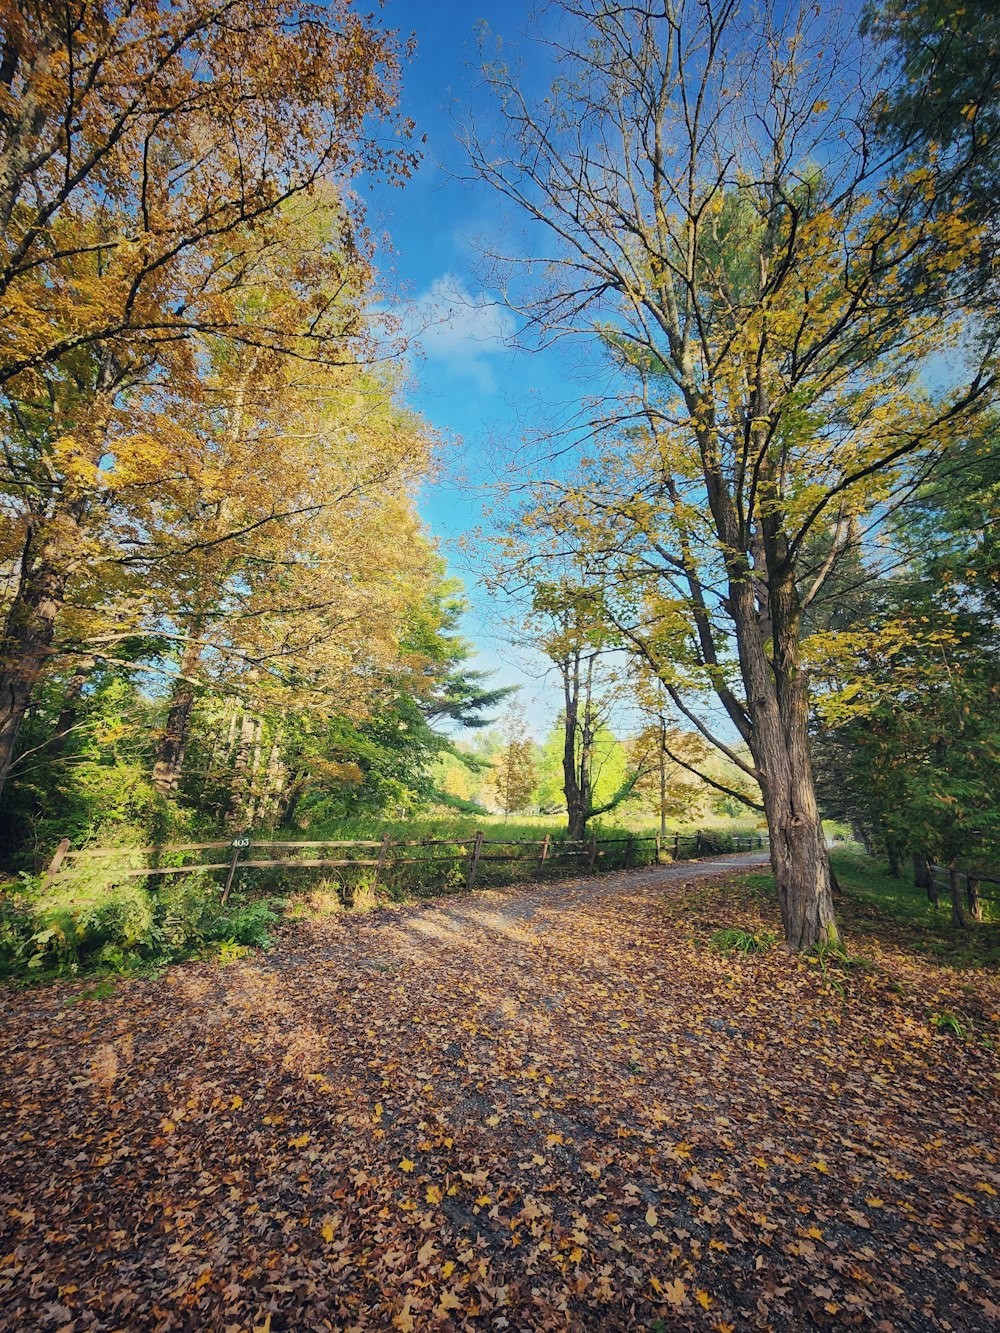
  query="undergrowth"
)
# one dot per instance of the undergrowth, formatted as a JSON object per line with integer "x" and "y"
{"x": 97, "y": 923}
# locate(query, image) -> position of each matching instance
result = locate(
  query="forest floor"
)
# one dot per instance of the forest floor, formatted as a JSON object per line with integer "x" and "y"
{"x": 552, "y": 1107}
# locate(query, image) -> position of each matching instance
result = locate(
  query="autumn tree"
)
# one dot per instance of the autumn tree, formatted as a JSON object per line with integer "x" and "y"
{"x": 514, "y": 773}
{"x": 382, "y": 757}
{"x": 562, "y": 626}
{"x": 151, "y": 162}
{"x": 284, "y": 580}
{"x": 672, "y": 785}
{"x": 770, "y": 287}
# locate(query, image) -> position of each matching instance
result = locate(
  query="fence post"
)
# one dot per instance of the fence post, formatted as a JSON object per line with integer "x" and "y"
{"x": 628, "y": 851}
{"x": 383, "y": 855}
{"x": 56, "y": 861}
{"x": 238, "y": 845}
{"x": 677, "y": 846}
{"x": 930, "y": 883}
{"x": 921, "y": 875}
{"x": 697, "y": 845}
{"x": 477, "y": 847}
{"x": 972, "y": 897}
{"x": 659, "y": 848}
{"x": 592, "y": 857}
{"x": 545, "y": 850}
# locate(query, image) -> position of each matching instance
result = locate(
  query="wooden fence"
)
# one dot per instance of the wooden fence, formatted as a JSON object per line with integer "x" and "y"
{"x": 950, "y": 880}
{"x": 389, "y": 854}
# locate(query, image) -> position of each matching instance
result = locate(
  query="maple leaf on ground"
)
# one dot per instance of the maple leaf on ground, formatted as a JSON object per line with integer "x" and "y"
{"x": 674, "y": 1291}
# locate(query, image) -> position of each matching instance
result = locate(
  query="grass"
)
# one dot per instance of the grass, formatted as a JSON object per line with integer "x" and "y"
{"x": 873, "y": 900}
{"x": 872, "y": 905}
{"x": 734, "y": 939}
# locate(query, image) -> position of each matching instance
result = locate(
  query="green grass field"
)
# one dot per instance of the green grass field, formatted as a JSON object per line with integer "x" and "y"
{"x": 873, "y": 900}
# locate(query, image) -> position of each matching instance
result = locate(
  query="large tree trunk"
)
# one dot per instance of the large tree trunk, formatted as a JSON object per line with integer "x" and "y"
{"x": 799, "y": 859}
{"x": 169, "y": 763}
{"x": 30, "y": 627}
{"x": 799, "y": 856}
{"x": 778, "y": 705}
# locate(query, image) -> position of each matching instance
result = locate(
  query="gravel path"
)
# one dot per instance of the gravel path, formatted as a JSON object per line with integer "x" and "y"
{"x": 487, "y": 908}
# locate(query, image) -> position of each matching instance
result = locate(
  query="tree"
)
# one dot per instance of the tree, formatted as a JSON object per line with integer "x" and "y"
{"x": 382, "y": 756}
{"x": 152, "y": 164}
{"x": 515, "y": 774}
{"x": 562, "y": 625}
{"x": 944, "y": 100}
{"x": 907, "y": 739}
{"x": 769, "y": 338}
{"x": 278, "y": 570}
{"x": 151, "y": 143}
{"x": 668, "y": 788}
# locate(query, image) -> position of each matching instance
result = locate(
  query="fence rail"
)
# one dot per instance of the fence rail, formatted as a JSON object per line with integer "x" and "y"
{"x": 543, "y": 854}
{"x": 949, "y": 879}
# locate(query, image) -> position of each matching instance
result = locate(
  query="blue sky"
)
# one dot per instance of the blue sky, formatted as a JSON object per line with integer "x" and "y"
{"x": 467, "y": 381}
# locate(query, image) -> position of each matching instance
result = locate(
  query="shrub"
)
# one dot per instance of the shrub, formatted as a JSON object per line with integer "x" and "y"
{"x": 98, "y": 919}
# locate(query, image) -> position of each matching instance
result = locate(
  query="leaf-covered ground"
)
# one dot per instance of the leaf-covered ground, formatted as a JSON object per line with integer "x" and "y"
{"x": 539, "y": 1109}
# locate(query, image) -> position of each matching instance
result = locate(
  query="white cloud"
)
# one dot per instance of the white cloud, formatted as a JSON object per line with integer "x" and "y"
{"x": 459, "y": 331}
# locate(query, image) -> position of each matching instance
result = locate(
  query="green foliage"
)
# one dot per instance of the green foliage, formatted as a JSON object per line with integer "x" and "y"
{"x": 610, "y": 767}
{"x": 88, "y": 748}
{"x": 945, "y": 93}
{"x": 230, "y": 951}
{"x": 98, "y": 920}
{"x": 908, "y": 746}
{"x": 97, "y": 778}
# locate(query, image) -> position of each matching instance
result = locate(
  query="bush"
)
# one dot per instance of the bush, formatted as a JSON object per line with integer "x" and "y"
{"x": 96, "y": 919}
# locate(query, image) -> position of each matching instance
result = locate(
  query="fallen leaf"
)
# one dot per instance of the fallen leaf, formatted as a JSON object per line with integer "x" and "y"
{"x": 674, "y": 1291}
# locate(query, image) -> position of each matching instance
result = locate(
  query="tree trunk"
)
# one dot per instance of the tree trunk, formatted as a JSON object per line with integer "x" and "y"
{"x": 933, "y": 893}
{"x": 778, "y": 704}
{"x": 169, "y": 764}
{"x": 70, "y": 710}
{"x": 975, "y": 903}
{"x": 958, "y": 917}
{"x": 237, "y": 811}
{"x": 30, "y": 627}
{"x": 294, "y": 794}
{"x": 800, "y": 863}
{"x": 663, "y": 778}
{"x": 255, "y": 796}
{"x": 919, "y": 871}
{"x": 274, "y": 779}
{"x": 576, "y": 819}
